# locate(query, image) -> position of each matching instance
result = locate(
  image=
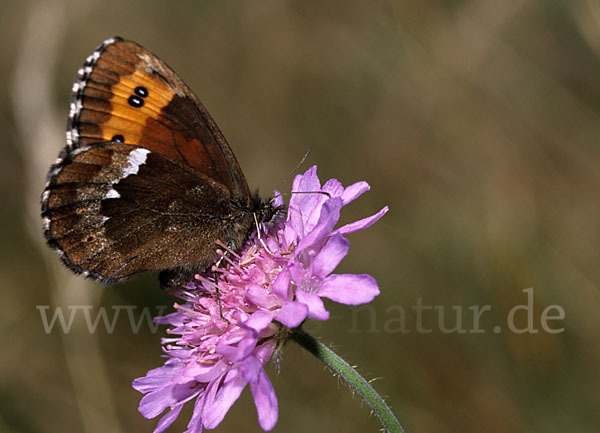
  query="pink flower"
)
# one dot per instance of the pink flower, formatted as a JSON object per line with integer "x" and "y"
{"x": 276, "y": 281}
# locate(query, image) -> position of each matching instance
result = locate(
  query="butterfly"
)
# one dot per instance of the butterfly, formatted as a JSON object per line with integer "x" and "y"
{"x": 146, "y": 181}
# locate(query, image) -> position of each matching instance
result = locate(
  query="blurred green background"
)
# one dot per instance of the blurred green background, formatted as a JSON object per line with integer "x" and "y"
{"x": 477, "y": 122}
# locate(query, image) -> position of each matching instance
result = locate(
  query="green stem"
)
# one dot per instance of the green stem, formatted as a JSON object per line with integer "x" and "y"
{"x": 352, "y": 378}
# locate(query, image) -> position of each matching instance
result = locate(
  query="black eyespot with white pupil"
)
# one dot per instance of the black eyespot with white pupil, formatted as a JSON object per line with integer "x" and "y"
{"x": 141, "y": 91}
{"x": 135, "y": 101}
{"x": 118, "y": 138}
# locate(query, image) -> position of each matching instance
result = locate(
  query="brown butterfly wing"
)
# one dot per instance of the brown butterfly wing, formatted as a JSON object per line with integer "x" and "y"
{"x": 146, "y": 182}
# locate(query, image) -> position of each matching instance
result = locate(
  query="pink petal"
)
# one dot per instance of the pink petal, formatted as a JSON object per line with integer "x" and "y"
{"x": 333, "y": 187}
{"x": 292, "y": 314}
{"x": 168, "y": 419}
{"x": 281, "y": 285}
{"x": 349, "y": 289}
{"x": 295, "y": 225}
{"x": 175, "y": 319}
{"x": 250, "y": 369}
{"x": 363, "y": 223}
{"x": 152, "y": 404}
{"x": 264, "y": 351}
{"x": 311, "y": 213}
{"x": 259, "y": 296}
{"x": 203, "y": 373}
{"x": 330, "y": 214}
{"x": 236, "y": 353}
{"x": 306, "y": 183}
{"x": 309, "y": 181}
{"x": 354, "y": 191}
{"x": 148, "y": 384}
{"x": 258, "y": 321}
{"x": 330, "y": 255}
{"x": 316, "y": 308}
{"x": 308, "y": 199}
{"x": 219, "y": 400}
{"x": 297, "y": 273}
{"x": 159, "y": 377}
{"x": 195, "y": 424}
{"x": 265, "y": 401}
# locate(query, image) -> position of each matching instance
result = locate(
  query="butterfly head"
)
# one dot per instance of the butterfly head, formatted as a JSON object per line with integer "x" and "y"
{"x": 269, "y": 212}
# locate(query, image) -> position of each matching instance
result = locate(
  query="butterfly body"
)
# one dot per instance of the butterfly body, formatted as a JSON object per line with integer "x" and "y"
{"x": 146, "y": 182}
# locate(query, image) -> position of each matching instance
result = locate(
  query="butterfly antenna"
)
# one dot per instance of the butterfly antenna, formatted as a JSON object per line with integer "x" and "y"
{"x": 292, "y": 172}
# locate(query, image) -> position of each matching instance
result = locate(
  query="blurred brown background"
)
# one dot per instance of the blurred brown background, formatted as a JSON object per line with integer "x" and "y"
{"x": 477, "y": 122}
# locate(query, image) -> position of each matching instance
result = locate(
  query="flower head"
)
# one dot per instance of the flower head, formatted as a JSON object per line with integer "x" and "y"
{"x": 222, "y": 342}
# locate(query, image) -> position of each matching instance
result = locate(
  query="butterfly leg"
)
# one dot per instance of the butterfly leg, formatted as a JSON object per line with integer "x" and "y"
{"x": 260, "y": 239}
{"x": 218, "y": 264}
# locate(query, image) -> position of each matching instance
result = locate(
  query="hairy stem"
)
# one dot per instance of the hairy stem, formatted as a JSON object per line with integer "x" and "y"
{"x": 351, "y": 377}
